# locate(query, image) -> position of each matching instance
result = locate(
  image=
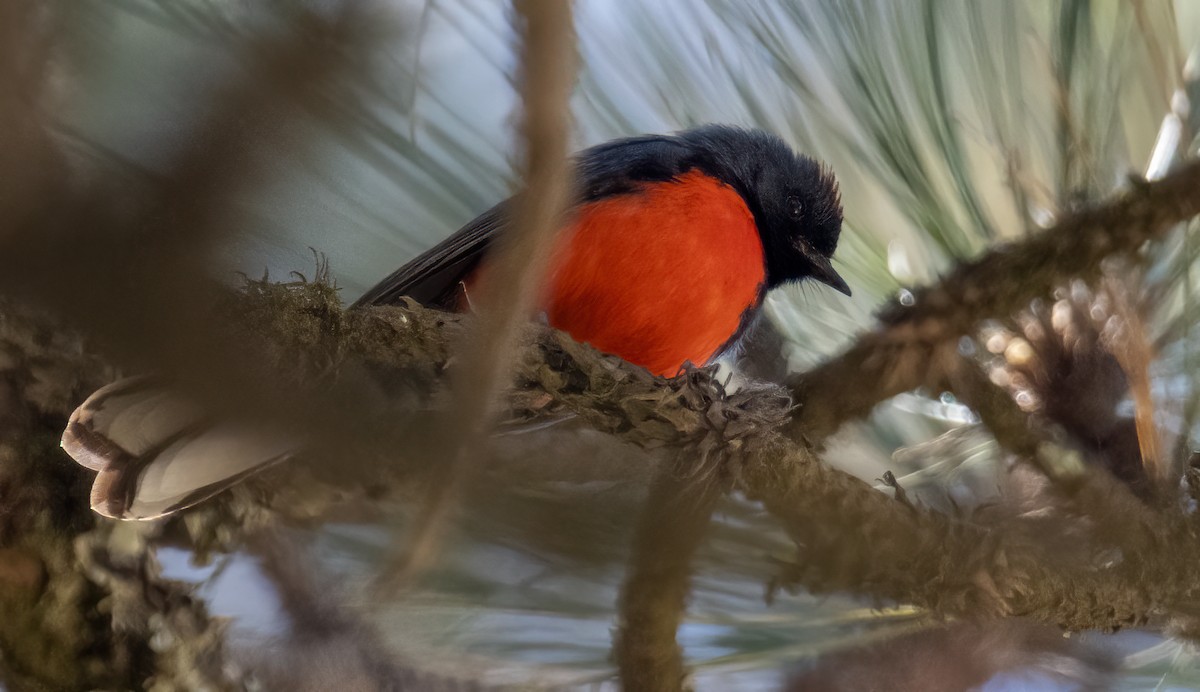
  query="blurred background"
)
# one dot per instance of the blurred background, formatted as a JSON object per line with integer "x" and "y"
{"x": 951, "y": 126}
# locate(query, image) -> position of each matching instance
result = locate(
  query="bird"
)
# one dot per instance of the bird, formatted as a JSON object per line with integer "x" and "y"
{"x": 674, "y": 241}
{"x": 670, "y": 245}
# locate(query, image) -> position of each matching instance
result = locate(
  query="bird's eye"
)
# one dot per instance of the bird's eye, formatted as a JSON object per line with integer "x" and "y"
{"x": 794, "y": 207}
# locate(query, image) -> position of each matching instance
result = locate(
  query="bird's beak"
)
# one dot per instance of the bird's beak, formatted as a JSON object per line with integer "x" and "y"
{"x": 823, "y": 271}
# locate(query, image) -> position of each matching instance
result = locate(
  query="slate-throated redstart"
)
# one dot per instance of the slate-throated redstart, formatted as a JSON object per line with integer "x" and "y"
{"x": 673, "y": 243}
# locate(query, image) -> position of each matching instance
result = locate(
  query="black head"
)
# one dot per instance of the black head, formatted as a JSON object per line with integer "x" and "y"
{"x": 794, "y": 199}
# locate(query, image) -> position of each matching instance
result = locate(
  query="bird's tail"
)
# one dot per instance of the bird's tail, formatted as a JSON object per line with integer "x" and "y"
{"x": 155, "y": 452}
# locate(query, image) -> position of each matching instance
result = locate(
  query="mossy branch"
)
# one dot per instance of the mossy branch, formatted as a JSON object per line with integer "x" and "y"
{"x": 988, "y": 563}
{"x": 916, "y": 345}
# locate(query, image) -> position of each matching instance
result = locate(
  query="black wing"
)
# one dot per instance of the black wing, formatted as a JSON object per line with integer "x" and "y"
{"x": 433, "y": 277}
{"x": 613, "y": 168}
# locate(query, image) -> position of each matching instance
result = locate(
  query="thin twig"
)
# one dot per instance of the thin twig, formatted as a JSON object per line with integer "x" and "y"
{"x": 515, "y": 270}
{"x": 1132, "y": 347}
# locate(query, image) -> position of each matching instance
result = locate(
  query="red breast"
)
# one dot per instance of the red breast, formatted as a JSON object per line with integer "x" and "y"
{"x": 661, "y": 276}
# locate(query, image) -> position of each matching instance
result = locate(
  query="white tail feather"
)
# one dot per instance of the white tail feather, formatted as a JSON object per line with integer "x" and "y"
{"x": 156, "y": 452}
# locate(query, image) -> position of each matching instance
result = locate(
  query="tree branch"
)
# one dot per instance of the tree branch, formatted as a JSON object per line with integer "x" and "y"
{"x": 1057, "y": 569}
{"x": 1130, "y": 568}
{"x": 655, "y": 594}
{"x": 915, "y": 345}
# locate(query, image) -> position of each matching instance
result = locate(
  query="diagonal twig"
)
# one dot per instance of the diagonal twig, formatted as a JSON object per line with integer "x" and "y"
{"x": 515, "y": 270}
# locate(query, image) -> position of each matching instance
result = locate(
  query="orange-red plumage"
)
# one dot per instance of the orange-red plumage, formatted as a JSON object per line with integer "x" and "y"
{"x": 661, "y": 276}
